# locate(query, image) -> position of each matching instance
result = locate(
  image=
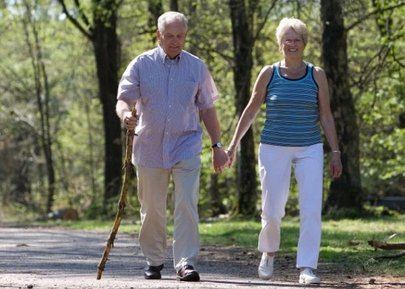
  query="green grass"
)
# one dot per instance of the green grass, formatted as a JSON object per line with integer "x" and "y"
{"x": 344, "y": 242}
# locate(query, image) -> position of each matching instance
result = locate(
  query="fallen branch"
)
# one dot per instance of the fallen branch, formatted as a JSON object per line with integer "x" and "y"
{"x": 391, "y": 256}
{"x": 386, "y": 246}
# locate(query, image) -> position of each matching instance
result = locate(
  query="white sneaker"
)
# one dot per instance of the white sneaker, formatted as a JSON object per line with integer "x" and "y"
{"x": 308, "y": 277}
{"x": 266, "y": 267}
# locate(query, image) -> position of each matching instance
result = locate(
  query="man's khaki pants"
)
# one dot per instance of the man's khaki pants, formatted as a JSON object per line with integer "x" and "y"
{"x": 152, "y": 193}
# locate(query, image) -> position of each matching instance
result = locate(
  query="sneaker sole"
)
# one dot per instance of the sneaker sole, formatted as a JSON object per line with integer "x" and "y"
{"x": 192, "y": 277}
{"x": 303, "y": 281}
{"x": 152, "y": 277}
{"x": 265, "y": 277}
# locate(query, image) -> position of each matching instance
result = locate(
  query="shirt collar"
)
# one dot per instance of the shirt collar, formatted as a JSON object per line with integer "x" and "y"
{"x": 164, "y": 57}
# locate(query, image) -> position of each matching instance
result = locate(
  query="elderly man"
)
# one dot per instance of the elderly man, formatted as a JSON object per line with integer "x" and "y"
{"x": 172, "y": 90}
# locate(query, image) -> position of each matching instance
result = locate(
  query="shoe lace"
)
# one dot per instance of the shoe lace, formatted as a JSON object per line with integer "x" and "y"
{"x": 265, "y": 261}
{"x": 309, "y": 273}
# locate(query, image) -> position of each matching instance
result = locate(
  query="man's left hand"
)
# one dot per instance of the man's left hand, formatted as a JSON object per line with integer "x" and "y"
{"x": 219, "y": 159}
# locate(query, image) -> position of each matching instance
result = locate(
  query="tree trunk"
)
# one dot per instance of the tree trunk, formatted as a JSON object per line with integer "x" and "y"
{"x": 41, "y": 88}
{"x": 155, "y": 9}
{"x": 106, "y": 46}
{"x": 217, "y": 207}
{"x": 103, "y": 35}
{"x": 48, "y": 138}
{"x": 21, "y": 183}
{"x": 174, "y": 5}
{"x": 91, "y": 149}
{"x": 346, "y": 192}
{"x": 243, "y": 45}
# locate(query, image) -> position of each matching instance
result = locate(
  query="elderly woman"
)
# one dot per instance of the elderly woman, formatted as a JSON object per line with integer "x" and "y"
{"x": 296, "y": 97}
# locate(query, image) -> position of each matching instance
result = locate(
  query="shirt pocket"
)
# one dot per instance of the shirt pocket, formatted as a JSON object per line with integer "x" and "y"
{"x": 186, "y": 93}
{"x": 152, "y": 103}
{"x": 151, "y": 93}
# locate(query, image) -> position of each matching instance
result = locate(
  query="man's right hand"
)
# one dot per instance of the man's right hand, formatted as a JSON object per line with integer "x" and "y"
{"x": 129, "y": 121}
{"x": 219, "y": 159}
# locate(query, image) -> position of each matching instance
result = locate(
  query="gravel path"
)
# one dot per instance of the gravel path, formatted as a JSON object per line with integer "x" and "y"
{"x": 60, "y": 258}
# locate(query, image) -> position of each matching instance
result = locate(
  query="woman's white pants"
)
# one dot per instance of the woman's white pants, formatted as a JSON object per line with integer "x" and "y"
{"x": 275, "y": 164}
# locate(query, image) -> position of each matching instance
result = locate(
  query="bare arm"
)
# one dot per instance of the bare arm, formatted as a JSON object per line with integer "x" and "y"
{"x": 210, "y": 120}
{"x": 251, "y": 110}
{"x": 128, "y": 94}
{"x": 327, "y": 122}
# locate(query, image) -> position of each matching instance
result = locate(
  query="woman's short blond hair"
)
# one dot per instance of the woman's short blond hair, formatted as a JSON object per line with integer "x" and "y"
{"x": 290, "y": 22}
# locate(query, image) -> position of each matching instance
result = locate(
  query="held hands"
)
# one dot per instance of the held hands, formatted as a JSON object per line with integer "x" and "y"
{"x": 335, "y": 165}
{"x": 219, "y": 159}
{"x": 129, "y": 121}
{"x": 231, "y": 152}
{"x": 222, "y": 158}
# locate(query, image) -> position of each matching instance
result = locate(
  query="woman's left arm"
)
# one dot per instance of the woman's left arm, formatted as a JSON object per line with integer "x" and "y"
{"x": 327, "y": 122}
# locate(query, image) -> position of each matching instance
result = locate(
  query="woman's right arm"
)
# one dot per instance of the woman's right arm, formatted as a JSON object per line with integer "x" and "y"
{"x": 251, "y": 110}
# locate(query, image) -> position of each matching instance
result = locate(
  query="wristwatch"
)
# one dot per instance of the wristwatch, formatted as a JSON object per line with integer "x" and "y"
{"x": 217, "y": 145}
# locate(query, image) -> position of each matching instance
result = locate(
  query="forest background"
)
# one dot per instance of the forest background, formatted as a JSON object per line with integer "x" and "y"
{"x": 61, "y": 144}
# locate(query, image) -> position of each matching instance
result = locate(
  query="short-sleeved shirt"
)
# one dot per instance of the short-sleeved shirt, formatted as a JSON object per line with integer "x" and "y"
{"x": 168, "y": 93}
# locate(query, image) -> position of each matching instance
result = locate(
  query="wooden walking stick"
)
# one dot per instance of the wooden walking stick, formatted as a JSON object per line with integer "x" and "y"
{"x": 123, "y": 199}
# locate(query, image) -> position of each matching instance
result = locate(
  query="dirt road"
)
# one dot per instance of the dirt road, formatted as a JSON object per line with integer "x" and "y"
{"x": 60, "y": 258}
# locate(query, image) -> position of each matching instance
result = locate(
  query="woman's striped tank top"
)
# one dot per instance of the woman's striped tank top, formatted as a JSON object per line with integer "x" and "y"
{"x": 292, "y": 113}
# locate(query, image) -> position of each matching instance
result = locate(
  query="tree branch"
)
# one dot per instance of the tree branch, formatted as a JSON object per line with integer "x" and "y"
{"x": 391, "y": 256}
{"x": 368, "y": 70}
{"x": 76, "y": 23}
{"x": 354, "y": 24}
{"x": 82, "y": 15}
{"x": 261, "y": 25}
{"x": 386, "y": 246}
{"x": 9, "y": 73}
{"x": 226, "y": 57}
{"x": 396, "y": 60}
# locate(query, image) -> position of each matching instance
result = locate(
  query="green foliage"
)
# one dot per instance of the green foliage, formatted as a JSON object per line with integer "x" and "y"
{"x": 377, "y": 83}
{"x": 72, "y": 85}
{"x": 376, "y": 73}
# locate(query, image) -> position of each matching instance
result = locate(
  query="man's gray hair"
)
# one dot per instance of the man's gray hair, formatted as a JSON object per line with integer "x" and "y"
{"x": 170, "y": 17}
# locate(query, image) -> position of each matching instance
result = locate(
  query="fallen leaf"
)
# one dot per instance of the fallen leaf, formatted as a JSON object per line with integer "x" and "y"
{"x": 353, "y": 243}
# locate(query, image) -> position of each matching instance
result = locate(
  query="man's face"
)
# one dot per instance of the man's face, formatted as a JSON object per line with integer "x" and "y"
{"x": 172, "y": 38}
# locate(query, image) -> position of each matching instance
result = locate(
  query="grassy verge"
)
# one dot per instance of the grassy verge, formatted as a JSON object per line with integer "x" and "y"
{"x": 344, "y": 242}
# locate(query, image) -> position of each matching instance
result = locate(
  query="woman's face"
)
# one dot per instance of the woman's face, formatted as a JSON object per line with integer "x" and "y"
{"x": 292, "y": 45}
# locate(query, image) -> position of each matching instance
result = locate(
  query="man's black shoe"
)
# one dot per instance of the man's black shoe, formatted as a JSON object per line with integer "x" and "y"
{"x": 153, "y": 272}
{"x": 187, "y": 273}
